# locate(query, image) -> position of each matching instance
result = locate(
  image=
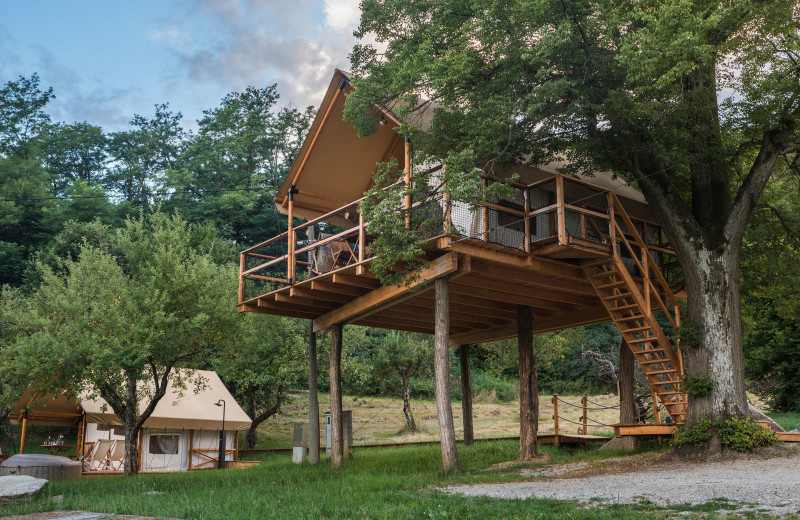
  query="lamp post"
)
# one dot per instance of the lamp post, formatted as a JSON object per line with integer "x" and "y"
{"x": 221, "y": 459}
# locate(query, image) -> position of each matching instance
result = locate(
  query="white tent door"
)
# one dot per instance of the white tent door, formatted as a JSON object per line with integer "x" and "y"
{"x": 165, "y": 450}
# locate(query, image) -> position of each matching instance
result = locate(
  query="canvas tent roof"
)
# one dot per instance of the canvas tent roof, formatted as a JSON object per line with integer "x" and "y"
{"x": 335, "y": 167}
{"x": 192, "y": 410}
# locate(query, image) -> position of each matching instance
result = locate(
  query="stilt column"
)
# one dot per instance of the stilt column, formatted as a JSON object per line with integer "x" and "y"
{"x": 313, "y": 398}
{"x": 627, "y": 407}
{"x": 528, "y": 386}
{"x": 337, "y": 437}
{"x": 441, "y": 369}
{"x": 466, "y": 395}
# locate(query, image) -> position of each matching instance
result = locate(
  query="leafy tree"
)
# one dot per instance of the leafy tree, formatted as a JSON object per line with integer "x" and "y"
{"x": 74, "y": 152}
{"x": 22, "y": 116}
{"x": 692, "y": 101}
{"x": 265, "y": 355}
{"x": 142, "y": 156}
{"x": 234, "y": 164}
{"x": 118, "y": 324}
{"x": 402, "y": 355}
{"x": 24, "y": 223}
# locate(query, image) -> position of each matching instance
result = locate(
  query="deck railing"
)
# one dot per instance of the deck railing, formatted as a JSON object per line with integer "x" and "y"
{"x": 546, "y": 217}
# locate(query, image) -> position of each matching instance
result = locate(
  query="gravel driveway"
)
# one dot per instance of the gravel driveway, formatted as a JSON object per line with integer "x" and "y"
{"x": 756, "y": 484}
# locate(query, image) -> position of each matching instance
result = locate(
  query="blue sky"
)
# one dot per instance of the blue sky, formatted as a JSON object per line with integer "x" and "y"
{"x": 107, "y": 61}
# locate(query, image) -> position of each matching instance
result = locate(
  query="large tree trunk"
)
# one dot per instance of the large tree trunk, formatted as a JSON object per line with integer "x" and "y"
{"x": 131, "y": 465}
{"x": 466, "y": 396}
{"x": 441, "y": 369}
{"x": 712, "y": 284}
{"x": 528, "y": 386}
{"x": 627, "y": 406}
{"x": 337, "y": 437}
{"x": 407, "y": 403}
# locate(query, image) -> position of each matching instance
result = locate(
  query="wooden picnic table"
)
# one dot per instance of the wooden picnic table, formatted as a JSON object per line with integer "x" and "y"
{"x": 57, "y": 449}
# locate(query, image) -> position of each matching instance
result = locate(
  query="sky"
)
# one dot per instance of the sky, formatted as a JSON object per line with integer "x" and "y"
{"x": 108, "y": 60}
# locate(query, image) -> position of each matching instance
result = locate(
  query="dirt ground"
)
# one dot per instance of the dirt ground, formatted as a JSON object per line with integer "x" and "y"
{"x": 762, "y": 483}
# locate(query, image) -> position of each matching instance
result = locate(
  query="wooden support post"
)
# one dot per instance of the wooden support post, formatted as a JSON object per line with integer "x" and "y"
{"x": 562, "y": 221}
{"x": 485, "y": 214}
{"x": 466, "y": 395}
{"x": 446, "y": 224}
{"x": 612, "y": 228}
{"x": 235, "y": 444}
{"x": 191, "y": 448}
{"x": 313, "y": 397}
{"x": 585, "y": 403}
{"x": 528, "y": 386}
{"x": 627, "y": 406}
{"x": 441, "y": 370}
{"x": 407, "y": 170}
{"x": 22, "y": 434}
{"x": 337, "y": 438}
{"x": 646, "y": 273}
{"x": 361, "y": 238}
{"x": 290, "y": 236}
{"x": 527, "y": 194}
{"x": 656, "y": 411}
{"x": 556, "y": 440}
{"x": 241, "y": 279}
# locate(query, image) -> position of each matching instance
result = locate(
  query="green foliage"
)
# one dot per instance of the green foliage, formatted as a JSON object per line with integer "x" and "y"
{"x": 22, "y": 116}
{"x": 698, "y": 385}
{"x": 737, "y": 433}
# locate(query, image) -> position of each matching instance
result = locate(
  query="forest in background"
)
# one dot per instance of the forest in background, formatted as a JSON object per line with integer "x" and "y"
{"x": 67, "y": 188}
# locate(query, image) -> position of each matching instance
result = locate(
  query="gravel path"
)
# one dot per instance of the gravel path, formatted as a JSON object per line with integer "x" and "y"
{"x": 756, "y": 484}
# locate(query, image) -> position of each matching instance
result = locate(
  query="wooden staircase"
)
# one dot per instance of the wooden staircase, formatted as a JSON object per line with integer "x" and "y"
{"x": 632, "y": 304}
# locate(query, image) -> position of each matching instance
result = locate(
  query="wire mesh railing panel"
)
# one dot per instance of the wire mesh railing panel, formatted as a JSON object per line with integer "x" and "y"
{"x": 542, "y": 195}
{"x": 587, "y": 228}
{"x": 427, "y": 217}
{"x": 505, "y": 228}
{"x": 585, "y": 196}
{"x": 329, "y": 245}
{"x": 544, "y": 226}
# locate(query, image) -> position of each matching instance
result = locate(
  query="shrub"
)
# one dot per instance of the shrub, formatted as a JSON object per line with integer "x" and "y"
{"x": 740, "y": 433}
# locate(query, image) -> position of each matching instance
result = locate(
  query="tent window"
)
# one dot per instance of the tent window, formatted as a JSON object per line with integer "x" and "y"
{"x": 163, "y": 445}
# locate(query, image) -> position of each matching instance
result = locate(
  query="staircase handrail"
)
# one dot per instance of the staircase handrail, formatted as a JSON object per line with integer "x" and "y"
{"x": 651, "y": 262}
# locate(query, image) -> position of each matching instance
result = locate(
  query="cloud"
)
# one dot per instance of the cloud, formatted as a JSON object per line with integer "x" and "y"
{"x": 342, "y": 15}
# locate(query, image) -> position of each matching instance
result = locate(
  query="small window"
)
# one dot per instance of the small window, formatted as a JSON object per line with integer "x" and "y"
{"x": 163, "y": 445}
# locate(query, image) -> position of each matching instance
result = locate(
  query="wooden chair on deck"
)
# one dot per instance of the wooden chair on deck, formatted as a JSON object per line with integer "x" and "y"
{"x": 116, "y": 457}
{"x": 98, "y": 457}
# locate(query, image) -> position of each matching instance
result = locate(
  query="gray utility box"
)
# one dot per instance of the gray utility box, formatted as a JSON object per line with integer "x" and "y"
{"x": 347, "y": 426}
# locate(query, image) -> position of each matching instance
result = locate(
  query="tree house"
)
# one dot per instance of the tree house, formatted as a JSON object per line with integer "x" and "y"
{"x": 574, "y": 251}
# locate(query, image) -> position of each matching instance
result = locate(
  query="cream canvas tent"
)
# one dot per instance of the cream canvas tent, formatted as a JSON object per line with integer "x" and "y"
{"x": 181, "y": 434}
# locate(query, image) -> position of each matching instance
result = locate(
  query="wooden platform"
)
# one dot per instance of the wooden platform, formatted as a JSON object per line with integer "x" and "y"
{"x": 644, "y": 430}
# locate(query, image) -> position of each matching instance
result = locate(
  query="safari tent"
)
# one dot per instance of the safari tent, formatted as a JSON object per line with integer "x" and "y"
{"x": 181, "y": 434}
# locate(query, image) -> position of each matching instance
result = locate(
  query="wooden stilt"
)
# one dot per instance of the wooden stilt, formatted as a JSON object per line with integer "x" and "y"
{"x": 22, "y": 434}
{"x": 337, "y": 440}
{"x": 556, "y": 440}
{"x": 627, "y": 407}
{"x": 528, "y": 387}
{"x": 313, "y": 398}
{"x": 466, "y": 395}
{"x": 441, "y": 368}
{"x": 191, "y": 448}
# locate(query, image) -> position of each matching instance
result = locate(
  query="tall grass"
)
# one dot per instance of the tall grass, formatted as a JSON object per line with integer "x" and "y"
{"x": 394, "y": 483}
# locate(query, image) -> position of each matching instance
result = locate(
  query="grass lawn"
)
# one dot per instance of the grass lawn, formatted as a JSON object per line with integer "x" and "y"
{"x": 395, "y": 483}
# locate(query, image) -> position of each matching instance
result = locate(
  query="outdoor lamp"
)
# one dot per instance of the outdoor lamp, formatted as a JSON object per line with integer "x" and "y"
{"x": 382, "y": 121}
{"x": 221, "y": 459}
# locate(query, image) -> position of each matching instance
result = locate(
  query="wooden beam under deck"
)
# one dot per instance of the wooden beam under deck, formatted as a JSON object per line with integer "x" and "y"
{"x": 383, "y": 297}
{"x": 556, "y": 322}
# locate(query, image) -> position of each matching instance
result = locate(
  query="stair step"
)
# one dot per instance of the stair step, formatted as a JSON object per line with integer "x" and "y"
{"x": 669, "y": 393}
{"x": 604, "y": 274}
{"x": 636, "y": 329}
{"x": 595, "y": 263}
{"x": 656, "y": 372}
{"x": 630, "y": 318}
{"x": 648, "y": 351}
{"x": 624, "y": 307}
{"x": 616, "y": 296}
{"x": 678, "y": 382}
{"x": 676, "y": 403}
{"x": 643, "y": 340}
{"x": 610, "y": 285}
{"x": 653, "y": 361}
